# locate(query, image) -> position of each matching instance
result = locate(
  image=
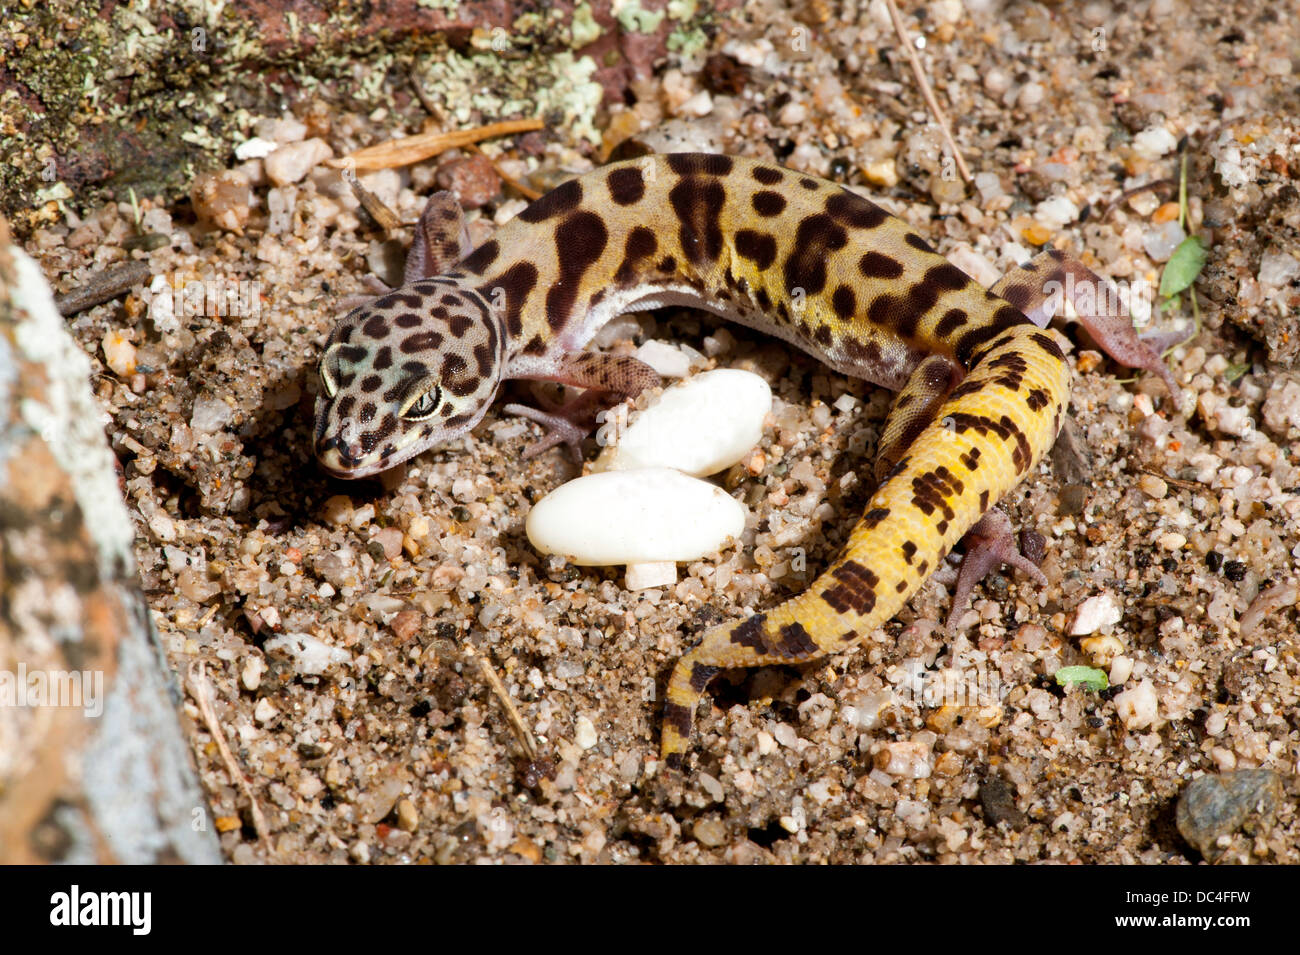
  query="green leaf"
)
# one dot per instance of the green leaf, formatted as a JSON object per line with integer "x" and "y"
{"x": 1089, "y": 677}
{"x": 1183, "y": 266}
{"x": 1233, "y": 372}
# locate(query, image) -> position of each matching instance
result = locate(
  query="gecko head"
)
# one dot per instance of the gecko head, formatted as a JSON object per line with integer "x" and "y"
{"x": 408, "y": 371}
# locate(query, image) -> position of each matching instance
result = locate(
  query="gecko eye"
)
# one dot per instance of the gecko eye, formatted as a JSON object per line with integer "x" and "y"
{"x": 327, "y": 368}
{"x": 424, "y": 406}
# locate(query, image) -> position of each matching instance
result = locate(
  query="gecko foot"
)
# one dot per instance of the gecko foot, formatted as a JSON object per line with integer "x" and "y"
{"x": 989, "y": 544}
{"x": 567, "y": 424}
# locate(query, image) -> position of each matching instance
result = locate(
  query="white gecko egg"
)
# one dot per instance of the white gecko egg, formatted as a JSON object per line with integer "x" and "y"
{"x": 700, "y": 426}
{"x": 634, "y": 517}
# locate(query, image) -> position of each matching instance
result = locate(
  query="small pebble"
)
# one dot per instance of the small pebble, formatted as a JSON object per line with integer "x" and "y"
{"x": 222, "y": 199}
{"x": 472, "y": 179}
{"x": 119, "y": 353}
{"x": 1154, "y": 142}
{"x": 251, "y": 674}
{"x": 408, "y": 820}
{"x": 1214, "y": 807}
{"x": 710, "y": 832}
{"x": 1153, "y": 486}
{"x": 265, "y": 710}
{"x": 292, "y": 161}
{"x": 634, "y": 517}
{"x": 668, "y": 360}
{"x": 1137, "y": 707}
{"x": 908, "y": 759}
{"x": 308, "y": 654}
{"x": 1096, "y": 612}
{"x": 584, "y": 733}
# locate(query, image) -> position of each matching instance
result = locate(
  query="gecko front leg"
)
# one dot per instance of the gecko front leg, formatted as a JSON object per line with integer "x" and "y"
{"x": 609, "y": 379}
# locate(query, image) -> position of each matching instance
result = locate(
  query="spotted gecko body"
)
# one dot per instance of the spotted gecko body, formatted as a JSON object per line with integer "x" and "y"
{"x": 982, "y": 386}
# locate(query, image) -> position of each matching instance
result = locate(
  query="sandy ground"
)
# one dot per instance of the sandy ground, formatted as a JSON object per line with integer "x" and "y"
{"x": 1182, "y": 523}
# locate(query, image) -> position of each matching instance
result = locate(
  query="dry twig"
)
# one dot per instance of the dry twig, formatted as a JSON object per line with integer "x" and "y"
{"x": 201, "y": 689}
{"x": 413, "y": 149}
{"x": 926, "y": 91}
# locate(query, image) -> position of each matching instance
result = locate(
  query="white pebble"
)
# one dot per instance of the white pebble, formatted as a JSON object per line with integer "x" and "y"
{"x": 909, "y": 759}
{"x": 1096, "y": 612}
{"x": 293, "y": 161}
{"x": 700, "y": 426}
{"x": 210, "y": 414}
{"x": 264, "y": 712}
{"x": 309, "y": 655}
{"x": 669, "y": 361}
{"x": 1154, "y": 142}
{"x": 584, "y": 733}
{"x": 1137, "y": 708}
{"x": 1277, "y": 269}
{"x": 1056, "y": 213}
{"x": 281, "y": 129}
{"x": 634, "y": 517}
{"x": 119, "y": 353}
{"x": 1160, "y": 241}
{"x": 255, "y": 148}
{"x": 661, "y": 573}
{"x": 1121, "y": 668}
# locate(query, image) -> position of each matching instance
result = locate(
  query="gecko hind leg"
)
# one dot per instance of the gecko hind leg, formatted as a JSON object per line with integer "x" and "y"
{"x": 608, "y": 379}
{"x": 1039, "y": 286}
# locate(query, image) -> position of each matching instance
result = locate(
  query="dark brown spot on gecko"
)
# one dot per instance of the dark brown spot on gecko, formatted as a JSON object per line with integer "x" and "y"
{"x": 877, "y": 265}
{"x": 758, "y": 247}
{"x": 793, "y": 641}
{"x": 697, "y": 203}
{"x": 701, "y": 674}
{"x": 679, "y": 718}
{"x": 873, "y": 517}
{"x": 458, "y": 325}
{"x": 371, "y": 383}
{"x": 708, "y": 164}
{"x": 626, "y": 185}
{"x": 856, "y": 590}
{"x": 562, "y": 199}
{"x": 383, "y": 358}
{"x": 1048, "y": 344}
{"x": 805, "y": 268}
{"x": 768, "y": 204}
{"x": 641, "y": 244}
{"x": 516, "y": 283}
{"x": 420, "y": 341}
{"x": 952, "y": 320}
{"x": 767, "y": 175}
{"x": 482, "y": 257}
{"x": 854, "y": 211}
{"x": 844, "y": 302}
{"x": 749, "y": 633}
{"x": 967, "y": 348}
{"x": 1036, "y": 399}
{"x": 376, "y": 327}
{"x": 535, "y": 346}
{"x": 918, "y": 243}
{"x": 909, "y": 551}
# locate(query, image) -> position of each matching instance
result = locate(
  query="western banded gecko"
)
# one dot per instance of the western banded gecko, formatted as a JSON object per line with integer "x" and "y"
{"x": 982, "y": 384}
